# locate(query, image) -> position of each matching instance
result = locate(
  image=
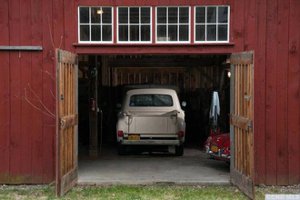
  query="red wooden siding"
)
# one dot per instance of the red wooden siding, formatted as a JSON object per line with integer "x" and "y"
{"x": 27, "y": 135}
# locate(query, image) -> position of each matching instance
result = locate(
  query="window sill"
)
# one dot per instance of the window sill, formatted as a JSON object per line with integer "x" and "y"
{"x": 151, "y": 44}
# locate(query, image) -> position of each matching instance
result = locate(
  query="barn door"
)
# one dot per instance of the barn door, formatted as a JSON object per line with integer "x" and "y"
{"x": 241, "y": 122}
{"x": 67, "y": 119}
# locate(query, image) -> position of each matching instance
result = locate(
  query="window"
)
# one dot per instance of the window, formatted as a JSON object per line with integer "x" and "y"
{"x": 134, "y": 24}
{"x": 95, "y": 24}
{"x": 153, "y": 100}
{"x": 172, "y": 24}
{"x": 212, "y": 24}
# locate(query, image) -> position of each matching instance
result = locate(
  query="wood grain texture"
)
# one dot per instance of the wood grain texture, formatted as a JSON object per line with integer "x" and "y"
{"x": 271, "y": 95}
{"x": 4, "y": 95}
{"x": 293, "y": 94}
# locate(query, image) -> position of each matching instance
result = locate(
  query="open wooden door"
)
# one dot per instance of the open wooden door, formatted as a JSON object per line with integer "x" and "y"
{"x": 241, "y": 122}
{"x": 66, "y": 123}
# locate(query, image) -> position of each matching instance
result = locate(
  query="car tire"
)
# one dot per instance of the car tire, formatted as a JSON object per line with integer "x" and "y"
{"x": 179, "y": 150}
{"x": 121, "y": 149}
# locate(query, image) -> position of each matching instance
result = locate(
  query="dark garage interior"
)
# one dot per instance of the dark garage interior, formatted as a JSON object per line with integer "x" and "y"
{"x": 195, "y": 76}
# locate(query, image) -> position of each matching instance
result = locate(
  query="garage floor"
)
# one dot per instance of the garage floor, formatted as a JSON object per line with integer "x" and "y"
{"x": 193, "y": 168}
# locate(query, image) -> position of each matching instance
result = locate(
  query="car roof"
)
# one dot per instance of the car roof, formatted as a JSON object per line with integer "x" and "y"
{"x": 151, "y": 91}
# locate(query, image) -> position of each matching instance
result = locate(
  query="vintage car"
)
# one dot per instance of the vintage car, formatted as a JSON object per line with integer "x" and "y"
{"x": 218, "y": 146}
{"x": 151, "y": 116}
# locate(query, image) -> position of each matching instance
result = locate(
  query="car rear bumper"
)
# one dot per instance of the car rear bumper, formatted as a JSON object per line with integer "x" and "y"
{"x": 151, "y": 142}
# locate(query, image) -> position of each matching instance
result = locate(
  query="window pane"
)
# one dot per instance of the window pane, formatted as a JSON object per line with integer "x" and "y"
{"x": 134, "y": 15}
{"x": 211, "y": 14}
{"x": 172, "y": 32}
{"x": 162, "y": 15}
{"x": 222, "y": 33}
{"x": 95, "y": 17}
{"x": 106, "y": 16}
{"x": 123, "y": 33}
{"x": 123, "y": 15}
{"x": 184, "y": 15}
{"x": 84, "y": 15}
{"x": 223, "y": 14}
{"x": 200, "y": 33}
{"x": 134, "y": 33}
{"x": 145, "y": 33}
{"x": 96, "y": 33}
{"x": 173, "y": 15}
{"x": 145, "y": 15}
{"x": 183, "y": 33}
{"x": 84, "y": 33}
{"x": 107, "y": 34}
{"x": 161, "y": 33}
{"x": 200, "y": 15}
{"x": 211, "y": 32}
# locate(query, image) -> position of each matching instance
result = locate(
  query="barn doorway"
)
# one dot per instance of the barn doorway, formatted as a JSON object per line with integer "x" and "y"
{"x": 241, "y": 119}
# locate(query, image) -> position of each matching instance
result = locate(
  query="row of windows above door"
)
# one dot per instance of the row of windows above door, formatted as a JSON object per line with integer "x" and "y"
{"x": 172, "y": 24}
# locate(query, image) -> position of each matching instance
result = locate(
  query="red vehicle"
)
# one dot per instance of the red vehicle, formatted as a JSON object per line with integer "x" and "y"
{"x": 218, "y": 146}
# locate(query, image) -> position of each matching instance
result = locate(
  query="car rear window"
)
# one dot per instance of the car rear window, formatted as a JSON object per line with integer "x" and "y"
{"x": 153, "y": 100}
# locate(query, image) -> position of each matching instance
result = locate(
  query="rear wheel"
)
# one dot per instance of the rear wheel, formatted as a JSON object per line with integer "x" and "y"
{"x": 179, "y": 150}
{"x": 121, "y": 149}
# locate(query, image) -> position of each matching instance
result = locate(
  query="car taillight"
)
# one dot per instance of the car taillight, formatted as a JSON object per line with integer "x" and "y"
{"x": 180, "y": 134}
{"x": 120, "y": 133}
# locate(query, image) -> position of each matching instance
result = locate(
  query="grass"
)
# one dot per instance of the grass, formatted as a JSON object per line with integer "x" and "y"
{"x": 154, "y": 192}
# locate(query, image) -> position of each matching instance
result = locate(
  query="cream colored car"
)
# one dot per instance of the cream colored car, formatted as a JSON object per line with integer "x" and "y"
{"x": 151, "y": 117}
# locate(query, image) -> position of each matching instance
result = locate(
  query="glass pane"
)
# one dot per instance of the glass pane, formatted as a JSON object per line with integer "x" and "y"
{"x": 95, "y": 17}
{"x": 223, "y": 14}
{"x": 211, "y": 33}
{"x": 184, "y": 15}
{"x": 106, "y": 16}
{"x": 145, "y": 33}
{"x": 123, "y": 33}
{"x": 96, "y": 33}
{"x": 153, "y": 100}
{"x": 134, "y": 33}
{"x": 200, "y": 15}
{"x": 123, "y": 15}
{"x": 161, "y": 33}
{"x": 211, "y": 14}
{"x": 200, "y": 33}
{"x": 145, "y": 15}
{"x": 162, "y": 15}
{"x": 183, "y": 33}
{"x": 172, "y": 32}
{"x": 222, "y": 33}
{"x": 134, "y": 15}
{"x": 84, "y": 15}
{"x": 173, "y": 15}
{"x": 84, "y": 32}
{"x": 106, "y": 33}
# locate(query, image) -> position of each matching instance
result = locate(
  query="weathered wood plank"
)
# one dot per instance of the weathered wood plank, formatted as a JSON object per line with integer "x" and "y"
{"x": 271, "y": 95}
{"x": 281, "y": 106}
{"x": 243, "y": 182}
{"x": 36, "y": 82}
{"x": 293, "y": 117}
{"x": 259, "y": 93}
{"x": 4, "y": 95}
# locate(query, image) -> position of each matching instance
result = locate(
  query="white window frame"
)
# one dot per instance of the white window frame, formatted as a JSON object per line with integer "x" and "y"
{"x": 139, "y": 24}
{"x": 178, "y": 24}
{"x": 101, "y": 24}
{"x": 217, "y": 23}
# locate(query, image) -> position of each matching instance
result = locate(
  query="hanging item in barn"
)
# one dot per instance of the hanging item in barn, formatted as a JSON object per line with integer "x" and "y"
{"x": 214, "y": 111}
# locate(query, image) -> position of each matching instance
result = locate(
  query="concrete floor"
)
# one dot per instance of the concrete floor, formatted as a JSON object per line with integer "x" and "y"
{"x": 192, "y": 168}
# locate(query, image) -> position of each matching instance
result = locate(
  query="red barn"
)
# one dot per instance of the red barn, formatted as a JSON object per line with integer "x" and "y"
{"x": 157, "y": 42}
